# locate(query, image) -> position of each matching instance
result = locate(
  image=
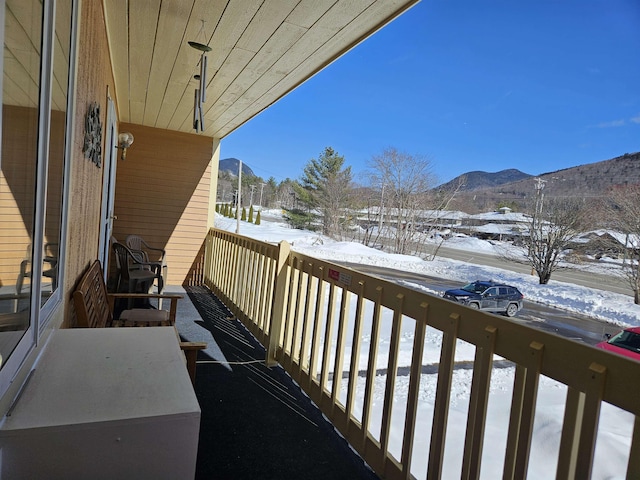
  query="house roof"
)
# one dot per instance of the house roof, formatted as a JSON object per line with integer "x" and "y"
{"x": 260, "y": 51}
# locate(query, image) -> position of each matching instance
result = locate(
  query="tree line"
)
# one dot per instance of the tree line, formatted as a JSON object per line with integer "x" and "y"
{"x": 388, "y": 209}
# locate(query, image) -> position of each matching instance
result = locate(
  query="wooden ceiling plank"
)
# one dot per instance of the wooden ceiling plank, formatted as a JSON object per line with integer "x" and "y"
{"x": 143, "y": 29}
{"x": 255, "y": 84}
{"x": 267, "y": 20}
{"x": 296, "y": 55}
{"x": 62, "y": 42}
{"x": 257, "y": 77}
{"x": 13, "y": 92}
{"x": 186, "y": 61}
{"x": 260, "y": 52}
{"x": 25, "y": 88}
{"x": 118, "y": 36}
{"x": 228, "y": 30}
{"x": 308, "y": 12}
{"x": 174, "y": 16}
{"x": 335, "y": 46}
{"x": 20, "y": 47}
{"x": 23, "y": 22}
{"x": 277, "y": 47}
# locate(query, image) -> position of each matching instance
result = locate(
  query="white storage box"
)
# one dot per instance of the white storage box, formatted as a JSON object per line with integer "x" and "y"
{"x": 105, "y": 403}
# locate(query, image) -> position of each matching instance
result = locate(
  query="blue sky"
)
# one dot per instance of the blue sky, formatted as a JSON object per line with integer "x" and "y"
{"x": 470, "y": 85}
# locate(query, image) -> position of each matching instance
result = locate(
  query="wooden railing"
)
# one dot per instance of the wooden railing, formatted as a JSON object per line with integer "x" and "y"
{"x": 323, "y": 323}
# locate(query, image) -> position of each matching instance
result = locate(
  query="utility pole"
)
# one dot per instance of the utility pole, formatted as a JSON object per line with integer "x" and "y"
{"x": 252, "y": 187}
{"x": 261, "y": 190}
{"x": 239, "y": 195}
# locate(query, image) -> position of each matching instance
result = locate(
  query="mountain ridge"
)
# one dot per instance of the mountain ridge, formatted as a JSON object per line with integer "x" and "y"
{"x": 481, "y": 179}
{"x": 592, "y": 180}
{"x": 231, "y": 164}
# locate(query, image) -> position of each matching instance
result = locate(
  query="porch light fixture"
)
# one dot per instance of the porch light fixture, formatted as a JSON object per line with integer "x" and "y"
{"x": 200, "y": 95}
{"x": 125, "y": 139}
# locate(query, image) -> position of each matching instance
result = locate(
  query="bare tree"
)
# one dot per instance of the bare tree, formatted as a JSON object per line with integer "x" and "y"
{"x": 622, "y": 211}
{"x": 405, "y": 185}
{"x": 554, "y": 223}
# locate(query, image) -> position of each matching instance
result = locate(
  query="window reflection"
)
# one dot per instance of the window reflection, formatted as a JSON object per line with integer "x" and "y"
{"x": 18, "y": 157}
{"x": 53, "y": 209}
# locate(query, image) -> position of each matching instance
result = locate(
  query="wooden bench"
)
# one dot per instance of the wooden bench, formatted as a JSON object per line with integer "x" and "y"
{"x": 95, "y": 309}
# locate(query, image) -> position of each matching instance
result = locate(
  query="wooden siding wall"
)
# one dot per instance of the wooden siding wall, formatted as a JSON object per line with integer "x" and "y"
{"x": 17, "y": 188}
{"x": 94, "y": 81}
{"x": 162, "y": 194}
{"x": 17, "y": 185}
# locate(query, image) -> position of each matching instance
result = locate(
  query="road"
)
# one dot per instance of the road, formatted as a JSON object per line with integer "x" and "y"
{"x": 567, "y": 275}
{"x": 569, "y": 325}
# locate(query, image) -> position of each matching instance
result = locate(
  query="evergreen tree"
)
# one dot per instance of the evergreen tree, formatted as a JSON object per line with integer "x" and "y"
{"x": 325, "y": 187}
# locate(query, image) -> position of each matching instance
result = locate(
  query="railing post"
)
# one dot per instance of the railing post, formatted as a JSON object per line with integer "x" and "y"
{"x": 277, "y": 302}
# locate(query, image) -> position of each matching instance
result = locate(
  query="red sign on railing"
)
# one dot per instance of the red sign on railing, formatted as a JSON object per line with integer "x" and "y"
{"x": 340, "y": 277}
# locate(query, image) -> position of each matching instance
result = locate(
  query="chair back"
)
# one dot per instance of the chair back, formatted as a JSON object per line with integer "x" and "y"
{"x": 138, "y": 244}
{"x": 135, "y": 242}
{"x": 122, "y": 255}
{"x": 91, "y": 300}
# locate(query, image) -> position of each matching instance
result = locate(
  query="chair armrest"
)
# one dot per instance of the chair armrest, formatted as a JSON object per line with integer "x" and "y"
{"x": 190, "y": 350}
{"x": 155, "y": 249}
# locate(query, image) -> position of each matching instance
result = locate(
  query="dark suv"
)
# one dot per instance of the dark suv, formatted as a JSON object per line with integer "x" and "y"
{"x": 488, "y": 295}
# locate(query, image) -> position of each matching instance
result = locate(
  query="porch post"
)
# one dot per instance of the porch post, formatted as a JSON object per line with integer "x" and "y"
{"x": 213, "y": 185}
{"x": 277, "y": 302}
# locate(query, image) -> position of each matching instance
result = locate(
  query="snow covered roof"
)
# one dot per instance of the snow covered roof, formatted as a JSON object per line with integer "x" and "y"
{"x": 500, "y": 228}
{"x": 497, "y": 216}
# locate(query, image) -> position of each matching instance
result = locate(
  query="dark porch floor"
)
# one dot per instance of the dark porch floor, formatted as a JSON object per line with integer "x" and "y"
{"x": 256, "y": 423}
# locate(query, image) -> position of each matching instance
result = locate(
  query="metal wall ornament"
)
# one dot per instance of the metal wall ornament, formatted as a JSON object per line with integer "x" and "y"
{"x": 92, "y": 147}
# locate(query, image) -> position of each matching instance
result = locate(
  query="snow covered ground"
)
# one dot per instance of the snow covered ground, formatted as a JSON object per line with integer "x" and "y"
{"x": 612, "y": 449}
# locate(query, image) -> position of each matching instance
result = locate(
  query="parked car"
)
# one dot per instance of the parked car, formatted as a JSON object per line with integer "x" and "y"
{"x": 488, "y": 295}
{"x": 626, "y": 342}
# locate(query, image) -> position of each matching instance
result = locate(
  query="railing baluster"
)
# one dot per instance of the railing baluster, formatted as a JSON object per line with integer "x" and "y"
{"x": 476, "y": 418}
{"x": 523, "y": 408}
{"x": 291, "y": 310}
{"x": 392, "y": 371}
{"x": 414, "y": 391}
{"x": 590, "y": 418}
{"x": 441, "y": 406}
{"x": 315, "y": 338}
{"x": 570, "y": 438}
{"x": 306, "y": 330}
{"x": 354, "y": 364}
{"x": 339, "y": 356}
{"x": 371, "y": 365}
{"x": 328, "y": 333}
{"x": 298, "y": 317}
{"x": 633, "y": 468}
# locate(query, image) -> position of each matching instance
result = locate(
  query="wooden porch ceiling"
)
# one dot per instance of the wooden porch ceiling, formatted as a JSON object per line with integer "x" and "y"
{"x": 261, "y": 50}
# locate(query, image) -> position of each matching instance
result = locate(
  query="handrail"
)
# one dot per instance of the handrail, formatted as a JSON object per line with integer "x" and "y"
{"x": 317, "y": 319}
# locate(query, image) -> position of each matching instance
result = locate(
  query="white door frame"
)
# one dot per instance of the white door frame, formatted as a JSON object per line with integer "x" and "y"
{"x": 110, "y": 160}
